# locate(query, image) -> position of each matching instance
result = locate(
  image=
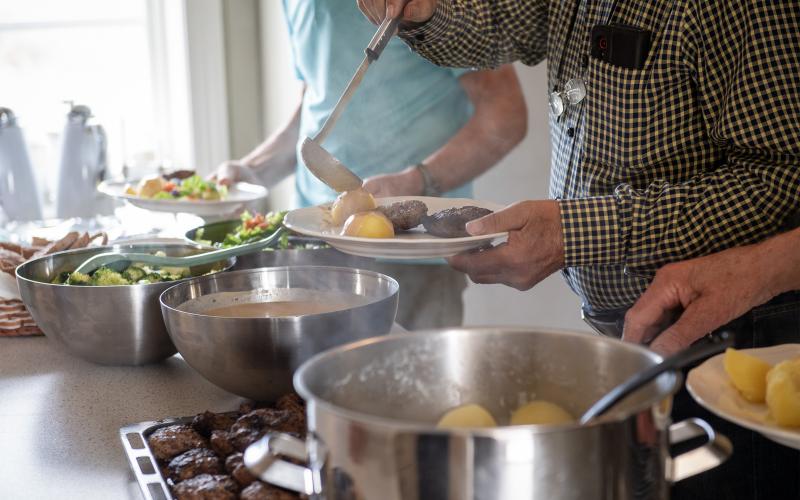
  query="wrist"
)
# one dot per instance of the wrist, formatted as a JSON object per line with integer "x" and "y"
{"x": 414, "y": 180}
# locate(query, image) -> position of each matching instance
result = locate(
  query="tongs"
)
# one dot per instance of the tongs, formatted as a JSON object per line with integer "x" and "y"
{"x": 320, "y": 162}
{"x": 120, "y": 260}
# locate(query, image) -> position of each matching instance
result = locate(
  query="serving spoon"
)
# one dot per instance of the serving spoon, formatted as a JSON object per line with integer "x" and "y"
{"x": 319, "y": 161}
{"x": 714, "y": 344}
{"x": 123, "y": 259}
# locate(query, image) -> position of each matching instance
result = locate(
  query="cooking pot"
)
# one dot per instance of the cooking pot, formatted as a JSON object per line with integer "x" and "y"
{"x": 373, "y": 405}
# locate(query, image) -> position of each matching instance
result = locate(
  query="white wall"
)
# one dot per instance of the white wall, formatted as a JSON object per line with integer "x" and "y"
{"x": 524, "y": 174}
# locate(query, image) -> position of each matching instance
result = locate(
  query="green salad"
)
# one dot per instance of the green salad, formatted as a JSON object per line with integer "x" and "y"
{"x": 135, "y": 274}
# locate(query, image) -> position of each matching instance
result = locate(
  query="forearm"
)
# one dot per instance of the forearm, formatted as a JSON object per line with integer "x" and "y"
{"x": 476, "y": 33}
{"x": 644, "y": 229}
{"x": 498, "y": 124}
{"x": 276, "y": 157}
{"x": 780, "y": 258}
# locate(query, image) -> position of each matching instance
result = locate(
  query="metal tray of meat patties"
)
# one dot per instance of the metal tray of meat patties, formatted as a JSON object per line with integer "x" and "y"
{"x": 153, "y": 482}
{"x": 142, "y": 460}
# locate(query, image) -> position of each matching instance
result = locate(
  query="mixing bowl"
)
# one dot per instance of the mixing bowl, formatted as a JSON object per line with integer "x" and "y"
{"x": 323, "y": 255}
{"x": 113, "y": 325}
{"x": 256, "y": 357}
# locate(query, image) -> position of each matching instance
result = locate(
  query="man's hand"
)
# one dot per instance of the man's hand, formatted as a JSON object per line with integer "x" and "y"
{"x": 711, "y": 290}
{"x": 415, "y": 11}
{"x": 233, "y": 171}
{"x": 409, "y": 182}
{"x": 534, "y": 250}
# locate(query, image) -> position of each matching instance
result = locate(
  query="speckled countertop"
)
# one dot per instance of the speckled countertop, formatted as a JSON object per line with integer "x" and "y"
{"x": 60, "y": 418}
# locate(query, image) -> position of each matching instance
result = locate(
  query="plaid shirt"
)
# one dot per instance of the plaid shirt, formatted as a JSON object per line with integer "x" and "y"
{"x": 697, "y": 152}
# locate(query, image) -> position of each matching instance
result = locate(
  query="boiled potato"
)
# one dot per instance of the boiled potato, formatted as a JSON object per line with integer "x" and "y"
{"x": 748, "y": 374}
{"x": 149, "y": 186}
{"x": 541, "y": 413}
{"x": 349, "y": 203}
{"x": 783, "y": 393}
{"x": 470, "y": 415}
{"x": 371, "y": 224}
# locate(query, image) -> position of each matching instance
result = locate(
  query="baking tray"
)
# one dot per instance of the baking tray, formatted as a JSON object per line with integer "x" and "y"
{"x": 141, "y": 459}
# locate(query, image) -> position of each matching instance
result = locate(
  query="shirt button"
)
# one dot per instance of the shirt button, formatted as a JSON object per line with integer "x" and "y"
{"x": 571, "y": 132}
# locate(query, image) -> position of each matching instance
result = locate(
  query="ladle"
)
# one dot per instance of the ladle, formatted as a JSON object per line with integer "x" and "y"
{"x": 713, "y": 344}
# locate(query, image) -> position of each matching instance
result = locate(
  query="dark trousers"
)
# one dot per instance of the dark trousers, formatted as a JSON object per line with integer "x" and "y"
{"x": 759, "y": 469}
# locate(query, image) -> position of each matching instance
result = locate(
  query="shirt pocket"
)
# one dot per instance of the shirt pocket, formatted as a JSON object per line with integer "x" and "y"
{"x": 618, "y": 111}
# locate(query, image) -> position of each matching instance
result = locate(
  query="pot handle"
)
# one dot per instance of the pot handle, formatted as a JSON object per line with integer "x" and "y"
{"x": 262, "y": 458}
{"x": 712, "y": 453}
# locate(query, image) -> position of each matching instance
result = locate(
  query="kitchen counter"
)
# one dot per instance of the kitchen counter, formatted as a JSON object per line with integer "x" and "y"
{"x": 60, "y": 418}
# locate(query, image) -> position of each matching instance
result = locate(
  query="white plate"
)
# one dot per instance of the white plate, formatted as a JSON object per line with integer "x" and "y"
{"x": 238, "y": 194}
{"x": 413, "y": 244}
{"x": 711, "y": 387}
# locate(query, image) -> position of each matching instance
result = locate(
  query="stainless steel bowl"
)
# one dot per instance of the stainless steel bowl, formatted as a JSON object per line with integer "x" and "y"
{"x": 113, "y": 325}
{"x": 256, "y": 357}
{"x": 324, "y": 256}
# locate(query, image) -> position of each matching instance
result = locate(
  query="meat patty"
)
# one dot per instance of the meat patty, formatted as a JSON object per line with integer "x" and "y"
{"x": 291, "y": 402}
{"x": 235, "y": 466}
{"x": 205, "y": 423}
{"x": 271, "y": 419}
{"x": 452, "y": 222}
{"x": 261, "y": 491}
{"x": 167, "y": 442}
{"x": 222, "y": 443}
{"x": 405, "y": 214}
{"x": 193, "y": 463}
{"x": 206, "y": 487}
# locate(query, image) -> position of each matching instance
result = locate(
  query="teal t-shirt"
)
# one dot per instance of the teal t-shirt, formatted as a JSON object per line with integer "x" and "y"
{"x": 405, "y": 109}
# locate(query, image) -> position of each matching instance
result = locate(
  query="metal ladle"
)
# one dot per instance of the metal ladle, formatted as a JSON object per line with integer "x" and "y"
{"x": 701, "y": 350}
{"x": 319, "y": 161}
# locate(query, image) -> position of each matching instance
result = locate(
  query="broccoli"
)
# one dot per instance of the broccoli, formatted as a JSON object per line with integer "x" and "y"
{"x": 133, "y": 274}
{"x": 107, "y": 277}
{"x": 151, "y": 278}
{"x": 60, "y": 278}
{"x": 78, "y": 279}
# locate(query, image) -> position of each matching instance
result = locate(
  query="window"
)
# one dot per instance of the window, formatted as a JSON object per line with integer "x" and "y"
{"x": 110, "y": 55}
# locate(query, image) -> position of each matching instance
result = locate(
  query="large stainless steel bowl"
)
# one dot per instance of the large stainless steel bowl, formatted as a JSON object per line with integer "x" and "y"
{"x": 256, "y": 357}
{"x": 323, "y": 256}
{"x": 113, "y": 325}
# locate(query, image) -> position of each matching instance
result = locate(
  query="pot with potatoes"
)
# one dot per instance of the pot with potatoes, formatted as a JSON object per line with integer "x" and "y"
{"x": 485, "y": 414}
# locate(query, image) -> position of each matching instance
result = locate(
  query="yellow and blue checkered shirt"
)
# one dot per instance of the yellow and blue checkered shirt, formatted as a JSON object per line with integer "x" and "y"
{"x": 696, "y": 152}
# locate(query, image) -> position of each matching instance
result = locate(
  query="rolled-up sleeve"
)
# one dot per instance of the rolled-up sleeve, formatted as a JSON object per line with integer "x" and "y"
{"x": 481, "y": 34}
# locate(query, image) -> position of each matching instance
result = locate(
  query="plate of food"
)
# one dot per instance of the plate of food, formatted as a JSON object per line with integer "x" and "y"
{"x": 185, "y": 192}
{"x": 404, "y": 227}
{"x": 756, "y": 388}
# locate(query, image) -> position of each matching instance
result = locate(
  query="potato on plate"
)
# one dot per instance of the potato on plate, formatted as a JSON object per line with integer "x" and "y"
{"x": 748, "y": 374}
{"x": 783, "y": 393}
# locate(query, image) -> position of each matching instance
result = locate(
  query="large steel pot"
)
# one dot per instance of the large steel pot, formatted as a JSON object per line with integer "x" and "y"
{"x": 112, "y": 325}
{"x": 256, "y": 357}
{"x": 372, "y": 407}
{"x": 321, "y": 256}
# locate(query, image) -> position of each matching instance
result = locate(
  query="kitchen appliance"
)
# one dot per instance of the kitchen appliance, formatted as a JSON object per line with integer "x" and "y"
{"x": 111, "y": 325}
{"x": 82, "y": 166}
{"x": 19, "y": 198}
{"x": 256, "y": 357}
{"x": 372, "y": 406}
